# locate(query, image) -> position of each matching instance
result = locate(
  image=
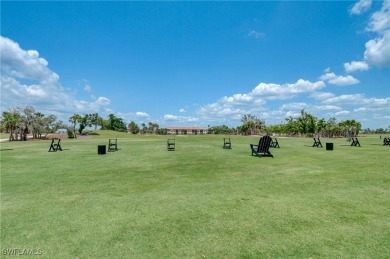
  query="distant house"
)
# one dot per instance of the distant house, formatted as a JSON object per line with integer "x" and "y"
{"x": 180, "y": 130}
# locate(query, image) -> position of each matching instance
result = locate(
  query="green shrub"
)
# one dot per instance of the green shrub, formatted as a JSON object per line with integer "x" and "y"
{"x": 70, "y": 134}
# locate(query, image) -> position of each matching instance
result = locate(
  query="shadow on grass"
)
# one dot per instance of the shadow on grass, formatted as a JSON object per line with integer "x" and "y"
{"x": 6, "y": 149}
{"x": 92, "y": 133}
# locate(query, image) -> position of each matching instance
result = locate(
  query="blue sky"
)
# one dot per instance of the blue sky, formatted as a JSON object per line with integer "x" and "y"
{"x": 198, "y": 63}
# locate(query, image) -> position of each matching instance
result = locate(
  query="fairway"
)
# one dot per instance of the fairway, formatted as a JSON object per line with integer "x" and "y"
{"x": 199, "y": 201}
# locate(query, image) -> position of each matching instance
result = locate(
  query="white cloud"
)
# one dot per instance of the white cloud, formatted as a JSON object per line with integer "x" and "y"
{"x": 27, "y": 80}
{"x": 23, "y": 64}
{"x": 170, "y": 117}
{"x": 328, "y": 76}
{"x": 293, "y": 106}
{"x": 319, "y": 96}
{"x": 238, "y": 99}
{"x": 293, "y": 114}
{"x": 182, "y": 110}
{"x": 35, "y": 90}
{"x": 334, "y": 79}
{"x": 361, "y": 6}
{"x": 103, "y": 101}
{"x": 355, "y": 66}
{"x": 189, "y": 119}
{"x": 344, "y": 80}
{"x": 380, "y": 20}
{"x": 371, "y": 109}
{"x": 142, "y": 115}
{"x": 233, "y": 107}
{"x": 256, "y": 34}
{"x": 87, "y": 86}
{"x": 346, "y": 99}
{"x": 360, "y": 99}
{"x": 327, "y": 107}
{"x": 340, "y": 113}
{"x": 378, "y": 51}
{"x": 285, "y": 91}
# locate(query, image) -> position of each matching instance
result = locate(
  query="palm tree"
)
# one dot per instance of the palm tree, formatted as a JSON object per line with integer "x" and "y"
{"x": 76, "y": 118}
{"x": 355, "y": 127}
{"x": 10, "y": 120}
{"x": 321, "y": 124}
{"x": 143, "y": 128}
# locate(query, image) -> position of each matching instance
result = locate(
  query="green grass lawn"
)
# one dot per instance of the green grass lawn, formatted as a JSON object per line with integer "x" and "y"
{"x": 200, "y": 201}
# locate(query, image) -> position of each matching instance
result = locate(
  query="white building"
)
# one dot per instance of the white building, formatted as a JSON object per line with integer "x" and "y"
{"x": 181, "y": 130}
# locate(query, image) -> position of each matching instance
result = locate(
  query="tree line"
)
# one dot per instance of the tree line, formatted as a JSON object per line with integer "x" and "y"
{"x": 308, "y": 125}
{"x": 305, "y": 124}
{"x": 94, "y": 120}
{"x": 19, "y": 122}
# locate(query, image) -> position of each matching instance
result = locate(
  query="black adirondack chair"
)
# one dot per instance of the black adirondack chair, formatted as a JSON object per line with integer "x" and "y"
{"x": 113, "y": 145}
{"x": 317, "y": 142}
{"x": 274, "y": 143}
{"x": 386, "y": 141}
{"x": 227, "y": 143}
{"x": 171, "y": 144}
{"x": 262, "y": 149}
{"x": 55, "y": 145}
{"x": 355, "y": 142}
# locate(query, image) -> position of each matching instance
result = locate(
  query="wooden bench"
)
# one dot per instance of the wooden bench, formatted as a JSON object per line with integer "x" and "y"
{"x": 227, "y": 144}
{"x": 262, "y": 149}
{"x": 355, "y": 142}
{"x": 112, "y": 145}
{"x": 317, "y": 142}
{"x": 171, "y": 144}
{"x": 55, "y": 145}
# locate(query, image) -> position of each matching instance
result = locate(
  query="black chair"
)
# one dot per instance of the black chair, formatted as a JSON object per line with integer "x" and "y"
{"x": 275, "y": 143}
{"x": 386, "y": 141}
{"x": 317, "y": 142}
{"x": 227, "y": 144}
{"x": 171, "y": 144}
{"x": 112, "y": 145}
{"x": 262, "y": 149}
{"x": 355, "y": 142}
{"x": 55, "y": 145}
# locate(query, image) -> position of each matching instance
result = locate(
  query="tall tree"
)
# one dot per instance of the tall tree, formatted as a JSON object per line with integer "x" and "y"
{"x": 251, "y": 124}
{"x": 86, "y": 121}
{"x": 75, "y": 119}
{"x": 306, "y": 123}
{"x": 144, "y": 128}
{"x": 10, "y": 120}
{"x": 27, "y": 120}
{"x": 321, "y": 124}
{"x": 153, "y": 128}
{"x": 115, "y": 123}
{"x": 133, "y": 127}
{"x": 291, "y": 126}
{"x": 94, "y": 118}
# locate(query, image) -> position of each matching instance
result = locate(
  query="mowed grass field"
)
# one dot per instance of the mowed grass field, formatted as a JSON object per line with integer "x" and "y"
{"x": 200, "y": 201}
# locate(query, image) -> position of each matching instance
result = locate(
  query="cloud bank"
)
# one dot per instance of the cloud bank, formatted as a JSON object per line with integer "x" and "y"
{"x": 26, "y": 79}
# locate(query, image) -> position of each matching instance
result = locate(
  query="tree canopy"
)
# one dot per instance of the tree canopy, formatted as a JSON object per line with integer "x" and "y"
{"x": 19, "y": 122}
